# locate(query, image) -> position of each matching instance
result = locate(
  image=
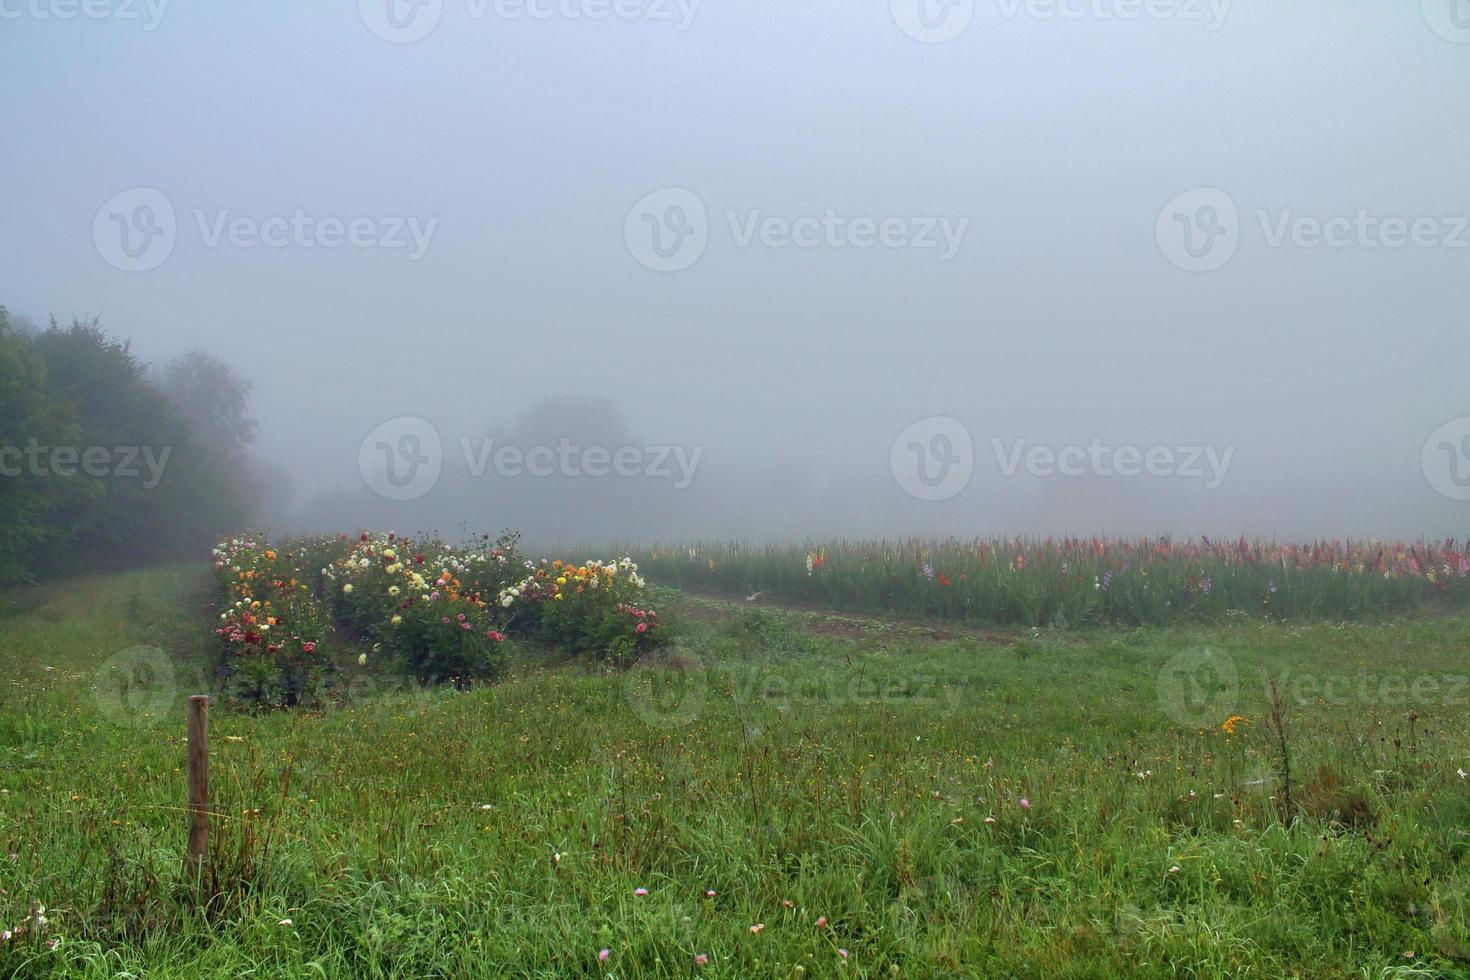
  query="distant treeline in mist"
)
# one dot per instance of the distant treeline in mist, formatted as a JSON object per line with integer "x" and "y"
{"x": 105, "y": 462}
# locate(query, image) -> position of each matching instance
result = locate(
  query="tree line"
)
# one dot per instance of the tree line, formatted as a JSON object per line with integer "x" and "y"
{"x": 106, "y": 462}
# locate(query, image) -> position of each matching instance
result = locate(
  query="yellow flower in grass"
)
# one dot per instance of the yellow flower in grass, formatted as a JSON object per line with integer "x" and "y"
{"x": 1228, "y": 726}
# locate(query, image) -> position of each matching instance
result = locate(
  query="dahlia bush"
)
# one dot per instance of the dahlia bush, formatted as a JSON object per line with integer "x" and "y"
{"x": 272, "y": 626}
{"x": 424, "y": 604}
{"x": 593, "y": 608}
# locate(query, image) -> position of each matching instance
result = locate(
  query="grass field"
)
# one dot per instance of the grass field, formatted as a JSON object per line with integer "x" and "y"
{"x": 799, "y": 794}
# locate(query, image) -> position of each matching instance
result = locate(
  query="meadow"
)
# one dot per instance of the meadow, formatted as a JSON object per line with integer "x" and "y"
{"x": 772, "y": 793}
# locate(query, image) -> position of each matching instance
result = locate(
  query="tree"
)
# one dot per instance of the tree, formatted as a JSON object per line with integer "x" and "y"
{"x": 31, "y": 498}
{"x": 212, "y": 398}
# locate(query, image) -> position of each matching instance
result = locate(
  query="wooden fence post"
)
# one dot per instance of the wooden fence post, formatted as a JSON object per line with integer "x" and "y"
{"x": 198, "y": 781}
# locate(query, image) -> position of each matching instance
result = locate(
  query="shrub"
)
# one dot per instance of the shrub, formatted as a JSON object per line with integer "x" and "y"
{"x": 594, "y": 608}
{"x": 424, "y": 605}
{"x": 272, "y": 627}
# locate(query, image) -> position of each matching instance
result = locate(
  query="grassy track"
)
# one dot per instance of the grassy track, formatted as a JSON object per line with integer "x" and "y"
{"x": 800, "y": 767}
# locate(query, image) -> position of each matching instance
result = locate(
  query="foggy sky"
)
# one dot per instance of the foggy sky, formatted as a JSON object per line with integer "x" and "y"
{"x": 526, "y": 141}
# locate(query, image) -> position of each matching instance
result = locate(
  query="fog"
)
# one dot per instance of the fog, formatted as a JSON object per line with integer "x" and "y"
{"x": 812, "y": 268}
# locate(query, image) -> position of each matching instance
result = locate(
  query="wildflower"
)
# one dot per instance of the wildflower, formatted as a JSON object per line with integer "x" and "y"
{"x": 1228, "y": 726}
{"x": 710, "y": 893}
{"x": 640, "y": 892}
{"x": 701, "y": 959}
{"x": 842, "y": 952}
{"x": 1025, "y": 803}
{"x": 1174, "y": 870}
{"x": 496, "y": 635}
{"x": 755, "y": 929}
{"x": 347, "y": 589}
{"x": 287, "y": 922}
{"x": 362, "y": 660}
{"x": 821, "y": 922}
{"x": 603, "y": 954}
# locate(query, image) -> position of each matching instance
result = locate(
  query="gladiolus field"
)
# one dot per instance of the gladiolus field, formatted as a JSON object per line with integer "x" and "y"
{"x": 1084, "y": 581}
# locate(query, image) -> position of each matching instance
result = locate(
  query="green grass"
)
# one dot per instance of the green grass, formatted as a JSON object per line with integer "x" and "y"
{"x": 844, "y": 766}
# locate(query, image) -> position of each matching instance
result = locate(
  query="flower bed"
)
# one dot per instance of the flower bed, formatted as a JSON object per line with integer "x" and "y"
{"x": 427, "y": 610}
